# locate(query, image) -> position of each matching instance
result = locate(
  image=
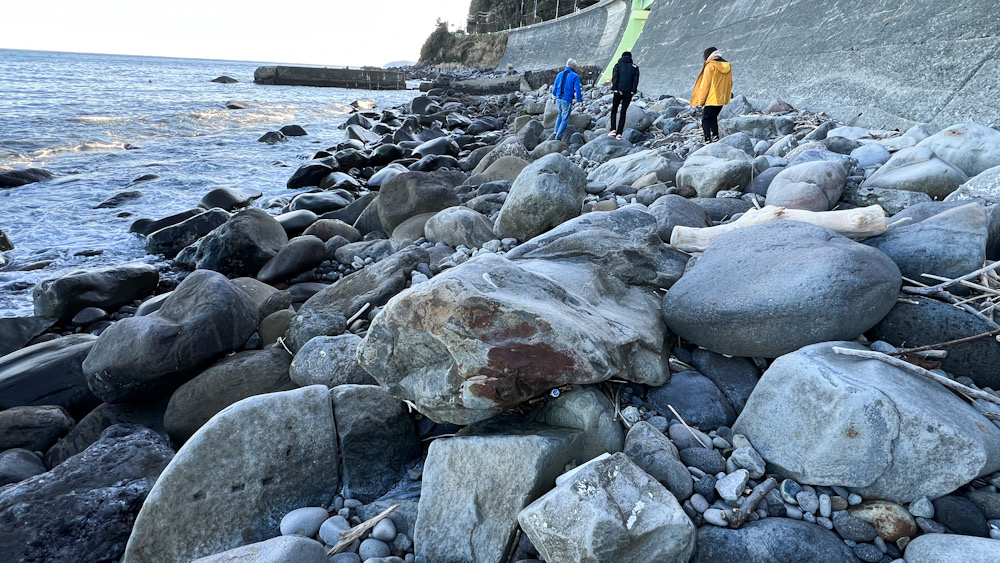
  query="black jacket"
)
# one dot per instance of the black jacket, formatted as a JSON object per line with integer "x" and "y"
{"x": 625, "y": 76}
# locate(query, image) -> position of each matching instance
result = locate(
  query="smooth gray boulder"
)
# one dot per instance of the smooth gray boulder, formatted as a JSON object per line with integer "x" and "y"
{"x": 49, "y": 373}
{"x": 870, "y": 155}
{"x": 83, "y": 509}
{"x": 33, "y": 428}
{"x": 757, "y": 126}
{"x": 771, "y": 540}
{"x": 799, "y": 284}
{"x": 330, "y": 361}
{"x": 603, "y": 148}
{"x": 376, "y": 437}
{"x": 232, "y": 379}
{"x": 918, "y": 169}
{"x": 506, "y": 169}
{"x": 891, "y": 201}
{"x": 950, "y": 244}
{"x": 301, "y": 254}
{"x": 655, "y": 454}
{"x": 813, "y": 186}
{"x": 547, "y": 193}
{"x": 413, "y": 193}
{"x": 696, "y": 398}
{"x": 475, "y": 485}
{"x": 170, "y": 240}
{"x": 920, "y": 321}
{"x": 241, "y": 246}
{"x": 625, "y": 170}
{"x": 946, "y": 548}
{"x": 591, "y": 412}
{"x": 235, "y": 479}
{"x": 18, "y": 464}
{"x": 826, "y": 419}
{"x": 714, "y": 168}
{"x": 971, "y": 147}
{"x": 459, "y": 225}
{"x": 326, "y": 312}
{"x": 229, "y": 198}
{"x": 511, "y": 146}
{"x": 107, "y": 288}
{"x": 609, "y": 510}
{"x": 572, "y": 306}
{"x": 282, "y": 549}
{"x": 204, "y": 318}
{"x": 15, "y": 332}
{"x": 672, "y": 210}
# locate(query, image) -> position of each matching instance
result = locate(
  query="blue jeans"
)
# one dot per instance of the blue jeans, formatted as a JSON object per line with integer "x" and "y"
{"x": 565, "y": 106}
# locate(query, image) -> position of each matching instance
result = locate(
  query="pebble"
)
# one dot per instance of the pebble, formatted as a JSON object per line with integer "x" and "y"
{"x": 384, "y": 530}
{"x": 825, "y": 522}
{"x": 705, "y": 486}
{"x": 329, "y": 532}
{"x": 929, "y": 526}
{"x": 659, "y": 423}
{"x": 352, "y": 503}
{"x": 854, "y": 499}
{"x": 793, "y": 512}
{"x": 699, "y": 503}
{"x": 343, "y": 557}
{"x": 809, "y": 518}
{"x": 731, "y": 487}
{"x": 825, "y": 506}
{"x": 922, "y": 507}
{"x": 868, "y": 552}
{"x": 372, "y": 547}
{"x": 748, "y": 458}
{"x": 709, "y": 461}
{"x": 838, "y": 503}
{"x": 852, "y": 528}
{"x": 740, "y": 441}
{"x": 720, "y": 443}
{"x": 808, "y": 501}
{"x": 683, "y": 438}
{"x": 716, "y": 517}
{"x": 631, "y": 415}
{"x": 402, "y": 542}
{"x": 788, "y": 490}
{"x": 880, "y": 544}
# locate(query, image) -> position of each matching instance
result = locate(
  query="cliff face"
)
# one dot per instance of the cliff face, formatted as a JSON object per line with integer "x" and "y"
{"x": 881, "y": 63}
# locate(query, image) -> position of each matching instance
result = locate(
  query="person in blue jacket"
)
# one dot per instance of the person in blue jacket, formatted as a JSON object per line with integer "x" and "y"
{"x": 567, "y": 85}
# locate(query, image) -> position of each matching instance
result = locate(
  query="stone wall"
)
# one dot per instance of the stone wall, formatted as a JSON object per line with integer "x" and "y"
{"x": 879, "y": 63}
{"x": 590, "y": 36}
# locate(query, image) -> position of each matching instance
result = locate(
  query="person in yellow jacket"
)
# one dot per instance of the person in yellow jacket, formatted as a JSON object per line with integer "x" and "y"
{"x": 713, "y": 89}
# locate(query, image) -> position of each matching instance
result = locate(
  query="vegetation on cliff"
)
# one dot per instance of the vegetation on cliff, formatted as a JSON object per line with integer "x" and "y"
{"x": 473, "y": 51}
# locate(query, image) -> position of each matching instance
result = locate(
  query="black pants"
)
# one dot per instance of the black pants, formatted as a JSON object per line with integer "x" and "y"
{"x": 624, "y": 100}
{"x": 710, "y": 122}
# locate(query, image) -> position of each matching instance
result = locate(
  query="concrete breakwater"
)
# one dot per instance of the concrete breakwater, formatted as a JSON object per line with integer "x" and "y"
{"x": 367, "y": 79}
{"x": 887, "y": 64}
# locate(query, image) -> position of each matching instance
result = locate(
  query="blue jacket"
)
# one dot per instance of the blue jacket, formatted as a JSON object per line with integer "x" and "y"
{"x": 567, "y": 82}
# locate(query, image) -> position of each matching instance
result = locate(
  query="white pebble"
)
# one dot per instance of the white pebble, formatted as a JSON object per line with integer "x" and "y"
{"x": 825, "y": 506}
{"x": 715, "y": 516}
{"x": 854, "y": 499}
{"x": 385, "y": 530}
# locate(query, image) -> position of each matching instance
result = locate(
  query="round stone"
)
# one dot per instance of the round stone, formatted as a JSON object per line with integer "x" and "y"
{"x": 868, "y": 552}
{"x": 345, "y": 557}
{"x": 825, "y": 506}
{"x": 922, "y": 507}
{"x": 384, "y": 530}
{"x": 303, "y": 521}
{"x": 808, "y": 501}
{"x": 329, "y": 532}
{"x": 372, "y": 547}
{"x": 715, "y": 516}
{"x": 788, "y": 491}
{"x": 699, "y": 502}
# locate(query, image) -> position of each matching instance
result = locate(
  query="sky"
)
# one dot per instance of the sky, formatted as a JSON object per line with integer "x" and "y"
{"x": 315, "y": 32}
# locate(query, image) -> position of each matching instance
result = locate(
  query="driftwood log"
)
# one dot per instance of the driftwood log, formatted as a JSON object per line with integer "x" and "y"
{"x": 856, "y": 224}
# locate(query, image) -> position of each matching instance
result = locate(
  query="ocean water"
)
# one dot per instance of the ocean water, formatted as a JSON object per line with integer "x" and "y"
{"x": 75, "y": 114}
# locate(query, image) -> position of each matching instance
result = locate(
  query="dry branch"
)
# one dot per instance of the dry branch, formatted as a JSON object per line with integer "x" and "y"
{"x": 347, "y": 537}
{"x": 853, "y": 223}
{"x": 738, "y": 516}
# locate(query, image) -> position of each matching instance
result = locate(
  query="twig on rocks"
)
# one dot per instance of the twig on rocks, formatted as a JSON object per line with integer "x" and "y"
{"x": 281, "y": 341}
{"x": 697, "y": 439}
{"x": 966, "y": 283}
{"x": 942, "y": 295}
{"x": 347, "y": 537}
{"x": 945, "y": 284}
{"x": 938, "y": 346}
{"x": 738, "y": 516}
{"x": 355, "y": 316}
{"x": 953, "y": 385}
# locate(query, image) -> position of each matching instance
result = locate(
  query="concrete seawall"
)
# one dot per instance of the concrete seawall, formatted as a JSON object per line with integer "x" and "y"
{"x": 878, "y": 64}
{"x": 590, "y": 36}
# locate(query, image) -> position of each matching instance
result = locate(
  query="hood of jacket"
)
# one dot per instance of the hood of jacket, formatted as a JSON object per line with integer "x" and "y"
{"x": 625, "y": 59}
{"x": 720, "y": 66}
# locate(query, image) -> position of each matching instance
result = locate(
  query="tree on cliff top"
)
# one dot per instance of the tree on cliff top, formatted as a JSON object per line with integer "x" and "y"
{"x": 437, "y": 43}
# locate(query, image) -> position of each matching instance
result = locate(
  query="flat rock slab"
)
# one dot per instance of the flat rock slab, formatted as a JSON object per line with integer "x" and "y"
{"x": 827, "y": 419}
{"x": 474, "y": 487}
{"x": 235, "y": 479}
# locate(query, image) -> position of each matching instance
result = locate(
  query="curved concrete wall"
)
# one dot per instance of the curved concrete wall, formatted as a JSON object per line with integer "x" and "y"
{"x": 879, "y": 63}
{"x": 590, "y": 36}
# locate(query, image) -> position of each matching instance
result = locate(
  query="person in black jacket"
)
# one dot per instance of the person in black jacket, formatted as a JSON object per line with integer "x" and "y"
{"x": 624, "y": 83}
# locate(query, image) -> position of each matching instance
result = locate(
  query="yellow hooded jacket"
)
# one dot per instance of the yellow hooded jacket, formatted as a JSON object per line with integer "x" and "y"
{"x": 714, "y": 86}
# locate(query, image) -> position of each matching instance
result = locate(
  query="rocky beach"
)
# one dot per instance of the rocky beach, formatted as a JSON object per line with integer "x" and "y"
{"x": 459, "y": 339}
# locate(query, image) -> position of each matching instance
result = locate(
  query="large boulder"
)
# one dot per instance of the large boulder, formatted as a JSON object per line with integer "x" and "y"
{"x": 813, "y": 186}
{"x": 548, "y": 192}
{"x": 15, "y": 332}
{"x": 235, "y": 479}
{"x": 714, "y": 168}
{"x": 945, "y": 548}
{"x": 107, "y": 288}
{"x": 672, "y": 210}
{"x": 330, "y": 361}
{"x": 609, "y": 510}
{"x": 603, "y": 148}
{"x": 475, "y": 484}
{"x": 985, "y": 185}
{"x": 771, "y": 540}
{"x": 758, "y": 126}
{"x": 510, "y": 146}
{"x": 799, "y": 284}
{"x": 23, "y": 176}
{"x": 950, "y": 244}
{"x": 49, "y": 373}
{"x": 139, "y": 357}
{"x": 459, "y": 225}
{"x": 918, "y": 169}
{"x": 301, "y": 254}
{"x": 629, "y": 168}
{"x": 971, "y": 147}
{"x": 170, "y": 240}
{"x": 33, "y": 428}
{"x": 413, "y": 193}
{"x": 232, "y": 379}
{"x": 242, "y": 245}
{"x": 507, "y": 168}
{"x": 590, "y": 411}
{"x": 919, "y": 321}
{"x": 326, "y": 312}
{"x": 495, "y": 331}
{"x": 83, "y": 510}
{"x": 826, "y": 419}
{"x": 281, "y": 549}
{"x": 376, "y": 437}
{"x": 92, "y": 427}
